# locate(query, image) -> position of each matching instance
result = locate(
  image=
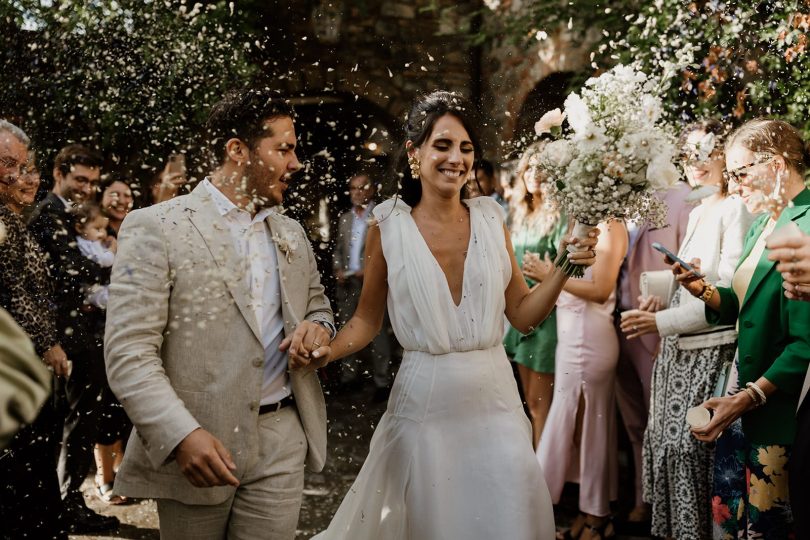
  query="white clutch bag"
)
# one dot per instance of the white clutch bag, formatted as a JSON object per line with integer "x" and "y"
{"x": 660, "y": 283}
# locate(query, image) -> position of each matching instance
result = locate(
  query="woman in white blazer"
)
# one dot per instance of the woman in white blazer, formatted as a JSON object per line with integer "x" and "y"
{"x": 677, "y": 475}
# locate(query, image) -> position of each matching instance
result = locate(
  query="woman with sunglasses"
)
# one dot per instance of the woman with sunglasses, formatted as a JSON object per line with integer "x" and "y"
{"x": 766, "y": 160}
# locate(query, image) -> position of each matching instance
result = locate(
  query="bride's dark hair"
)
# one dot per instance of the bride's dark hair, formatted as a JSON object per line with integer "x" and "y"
{"x": 418, "y": 128}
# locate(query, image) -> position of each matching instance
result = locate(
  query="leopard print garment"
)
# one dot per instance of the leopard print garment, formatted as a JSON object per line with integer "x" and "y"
{"x": 26, "y": 288}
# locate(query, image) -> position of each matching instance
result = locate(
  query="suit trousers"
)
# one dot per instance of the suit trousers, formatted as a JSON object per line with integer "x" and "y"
{"x": 268, "y": 500}
{"x": 799, "y": 477}
{"x": 379, "y": 351}
{"x": 30, "y": 506}
{"x": 81, "y": 406}
{"x": 633, "y": 385}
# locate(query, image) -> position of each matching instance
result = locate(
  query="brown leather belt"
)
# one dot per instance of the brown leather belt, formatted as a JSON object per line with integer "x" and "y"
{"x": 277, "y": 406}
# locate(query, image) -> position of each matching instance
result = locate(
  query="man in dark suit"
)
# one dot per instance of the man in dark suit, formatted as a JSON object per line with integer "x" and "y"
{"x": 348, "y": 265}
{"x": 77, "y": 171}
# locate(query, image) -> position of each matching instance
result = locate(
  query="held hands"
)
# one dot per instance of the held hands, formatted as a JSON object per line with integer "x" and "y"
{"x": 204, "y": 461}
{"x": 726, "y": 411}
{"x": 308, "y": 347}
{"x": 793, "y": 256}
{"x": 641, "y": 321}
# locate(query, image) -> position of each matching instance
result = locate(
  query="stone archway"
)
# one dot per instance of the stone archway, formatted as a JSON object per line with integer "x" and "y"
{"x": 548, "y": 94}
{"x": 512, "y": 74}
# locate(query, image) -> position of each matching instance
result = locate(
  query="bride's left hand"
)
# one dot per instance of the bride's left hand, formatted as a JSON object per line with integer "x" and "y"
{"x": 587, "y": 256}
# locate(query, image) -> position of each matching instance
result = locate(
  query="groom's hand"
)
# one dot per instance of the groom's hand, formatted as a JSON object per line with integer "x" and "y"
{"x": 204, "y": 461}
{"x": 308, "y": 345}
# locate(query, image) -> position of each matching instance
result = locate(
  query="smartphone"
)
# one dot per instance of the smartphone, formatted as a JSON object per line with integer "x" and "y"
{"x": 685, "y": 265}
{"x": 176, "y": 164}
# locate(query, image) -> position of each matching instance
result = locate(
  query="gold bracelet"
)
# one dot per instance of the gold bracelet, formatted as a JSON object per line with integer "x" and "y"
{"x": 752, "y": 395}
{"x": 755, "y": 387}
{"x": 708, "y": 292}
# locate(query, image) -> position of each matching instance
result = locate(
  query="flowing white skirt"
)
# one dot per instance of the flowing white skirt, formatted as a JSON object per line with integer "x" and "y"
{"x": 451, "y": 458}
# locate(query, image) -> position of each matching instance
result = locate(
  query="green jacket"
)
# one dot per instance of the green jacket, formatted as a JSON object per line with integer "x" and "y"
{"x": 774, "y": 335}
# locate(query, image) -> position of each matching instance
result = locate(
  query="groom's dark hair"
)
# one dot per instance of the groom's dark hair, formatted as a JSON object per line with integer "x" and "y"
{"x": 241, "y": 114}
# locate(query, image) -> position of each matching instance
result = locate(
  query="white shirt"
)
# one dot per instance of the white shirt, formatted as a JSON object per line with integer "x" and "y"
{"x": 357, "y": 240}
{"x": 251, "y": 238}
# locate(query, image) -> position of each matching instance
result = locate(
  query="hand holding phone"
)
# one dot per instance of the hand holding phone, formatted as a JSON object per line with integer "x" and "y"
{"x": 674, "y": 258}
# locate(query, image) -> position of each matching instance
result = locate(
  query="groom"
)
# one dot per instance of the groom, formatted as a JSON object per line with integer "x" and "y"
{"x": 204, "y": 290}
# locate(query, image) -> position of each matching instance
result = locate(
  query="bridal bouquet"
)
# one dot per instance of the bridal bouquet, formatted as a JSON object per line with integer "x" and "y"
{"x": 614, "y": 155}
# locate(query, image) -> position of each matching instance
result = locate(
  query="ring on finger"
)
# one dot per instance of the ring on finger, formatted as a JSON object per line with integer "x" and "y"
{"x": 316, "y": 343}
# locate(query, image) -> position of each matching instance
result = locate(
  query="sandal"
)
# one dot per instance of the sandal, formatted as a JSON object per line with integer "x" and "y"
{"x": 578, "y": 524}
{"x": 599, "y": 532}
{"x": 105, "y": 493}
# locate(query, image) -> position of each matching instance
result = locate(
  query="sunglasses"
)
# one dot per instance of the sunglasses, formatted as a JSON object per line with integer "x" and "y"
{"x": 739, "y": 174}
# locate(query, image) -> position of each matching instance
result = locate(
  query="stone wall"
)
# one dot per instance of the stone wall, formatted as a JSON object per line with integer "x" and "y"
{"x": 385, "y": 52}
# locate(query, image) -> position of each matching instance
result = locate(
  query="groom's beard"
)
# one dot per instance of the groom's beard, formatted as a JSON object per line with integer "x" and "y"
{"x": 259, "y": 184}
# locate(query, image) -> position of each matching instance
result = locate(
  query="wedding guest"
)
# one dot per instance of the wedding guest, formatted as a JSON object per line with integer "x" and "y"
{"x": 166, "y": 184}
{"x": 348, "y": 264}
{"x": 116, "y": 202}
{"x": 678, "y": 468}
{"x": 636, "y": 356}
{"x": 30, "y": 503}
{"x": 536, "y": 228}
{"x": 77, "y": 171}
{"x": 114, "y": 425}
{"x": 766, "y": 158}
{"x": 579, "y": 440}
{"x": 793, "y": 257}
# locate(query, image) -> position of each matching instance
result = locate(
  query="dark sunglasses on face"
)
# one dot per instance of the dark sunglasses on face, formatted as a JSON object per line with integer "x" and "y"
{"x": 739, "y": 174}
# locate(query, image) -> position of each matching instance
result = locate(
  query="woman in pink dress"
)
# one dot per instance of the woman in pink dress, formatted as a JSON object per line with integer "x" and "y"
{"x": 579, "y": 439}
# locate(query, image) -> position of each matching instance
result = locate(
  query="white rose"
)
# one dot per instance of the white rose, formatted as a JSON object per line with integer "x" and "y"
{"x": 662, "y": 174}
{"x": 557, "y": 154}
{"x": 577, "y": 113}
{"x": 549, "y": 120}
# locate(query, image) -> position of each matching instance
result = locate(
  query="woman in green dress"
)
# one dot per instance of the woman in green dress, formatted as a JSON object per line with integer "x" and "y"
{"x": 536, "y": 229}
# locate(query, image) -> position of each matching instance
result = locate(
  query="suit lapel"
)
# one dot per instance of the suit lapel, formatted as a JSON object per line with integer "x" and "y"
{"x": 285, "y": 244}
{"x": 764, "y": 266}
{"x": 212, "y": 227}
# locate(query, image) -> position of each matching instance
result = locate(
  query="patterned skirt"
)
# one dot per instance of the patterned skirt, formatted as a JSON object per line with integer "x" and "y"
{"x": 750, "y": 499}
{"x": 677, "y": 469}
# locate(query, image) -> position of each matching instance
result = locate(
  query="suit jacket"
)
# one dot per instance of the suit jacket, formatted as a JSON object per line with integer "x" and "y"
{"x": 642, "y": 257}
{"x": 340, "y": 258}
{"x": 773, "y": 338}
{"x": 78, "y": 323}
{"x": 182, "y": 344}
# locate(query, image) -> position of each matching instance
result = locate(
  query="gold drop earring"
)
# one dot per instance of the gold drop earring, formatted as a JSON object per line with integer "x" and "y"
{"x": 413, "y": 163}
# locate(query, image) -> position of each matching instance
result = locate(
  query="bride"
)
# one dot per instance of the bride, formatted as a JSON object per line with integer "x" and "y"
{"x": 452, "y": 456}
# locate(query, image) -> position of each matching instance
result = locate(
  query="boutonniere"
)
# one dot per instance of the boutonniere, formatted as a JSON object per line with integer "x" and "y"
{"x": 287, "y": 244}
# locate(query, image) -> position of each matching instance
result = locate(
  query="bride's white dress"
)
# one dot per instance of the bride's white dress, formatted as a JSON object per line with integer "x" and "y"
{"x": 452, "y": 456}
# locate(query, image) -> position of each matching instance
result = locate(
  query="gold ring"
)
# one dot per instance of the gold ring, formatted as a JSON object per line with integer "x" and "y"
{"x": 316, "y": 343}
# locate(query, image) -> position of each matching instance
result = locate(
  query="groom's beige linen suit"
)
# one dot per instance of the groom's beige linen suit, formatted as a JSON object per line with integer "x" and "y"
{"x": 183, "y": 348}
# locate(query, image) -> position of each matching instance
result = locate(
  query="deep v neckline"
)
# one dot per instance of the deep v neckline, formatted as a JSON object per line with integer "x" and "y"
{"x": 439, "y": 266}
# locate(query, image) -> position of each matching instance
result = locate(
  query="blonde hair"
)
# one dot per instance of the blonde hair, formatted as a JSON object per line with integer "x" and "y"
{"x": 522, "y": 210}
{"x": 773, "y": 137}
